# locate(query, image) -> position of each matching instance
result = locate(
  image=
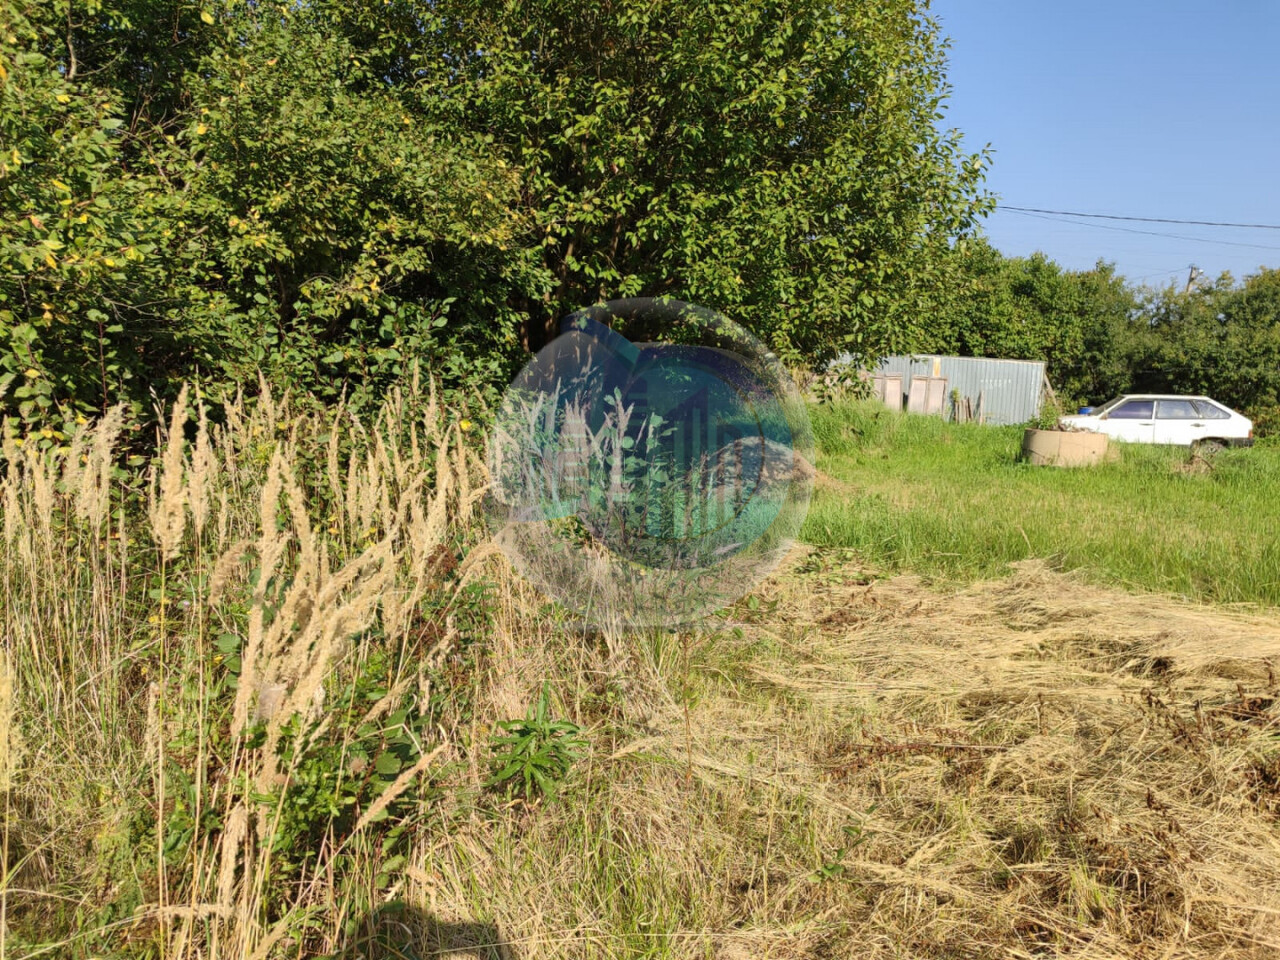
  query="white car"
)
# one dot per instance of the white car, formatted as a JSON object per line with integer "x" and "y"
{"x": 1165, "y": 418}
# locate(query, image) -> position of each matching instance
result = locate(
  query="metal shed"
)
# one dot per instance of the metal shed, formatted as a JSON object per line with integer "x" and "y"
{"x": 1012, "y": 391}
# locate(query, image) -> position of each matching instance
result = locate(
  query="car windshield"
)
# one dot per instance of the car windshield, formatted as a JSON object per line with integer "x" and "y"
{"x": 1108, "y": 405}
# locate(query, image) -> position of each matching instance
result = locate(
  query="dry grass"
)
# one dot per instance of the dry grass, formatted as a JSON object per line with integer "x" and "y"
{"x": 1051, "y": 762}
{"x": 1025, "y": 768}
{"x": 141, "y": 731}
{"x": 840, "y": 766}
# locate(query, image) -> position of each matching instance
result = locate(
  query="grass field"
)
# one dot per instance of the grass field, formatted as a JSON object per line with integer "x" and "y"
{"x": 918, "y": 494}
{"x": 258, "y": 699}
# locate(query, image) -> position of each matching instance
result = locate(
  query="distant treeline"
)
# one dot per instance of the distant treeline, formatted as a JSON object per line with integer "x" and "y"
{"x": 1101, "y": 335}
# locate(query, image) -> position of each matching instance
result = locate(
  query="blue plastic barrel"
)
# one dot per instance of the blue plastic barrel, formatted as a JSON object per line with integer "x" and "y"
{"x": 1085, "y": 411}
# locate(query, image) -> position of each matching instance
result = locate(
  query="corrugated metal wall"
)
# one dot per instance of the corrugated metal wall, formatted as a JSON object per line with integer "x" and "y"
{"x": 1011, "y": 389}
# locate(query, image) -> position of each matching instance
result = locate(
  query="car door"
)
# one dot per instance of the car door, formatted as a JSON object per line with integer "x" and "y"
{"x": 1179, "y": 421}
{"x": 1132, "y": 421}
{"x": 1221, "y": 423}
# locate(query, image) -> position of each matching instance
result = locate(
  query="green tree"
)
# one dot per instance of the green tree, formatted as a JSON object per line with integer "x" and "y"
{"x": 339, "y": 229}
{"x": 78, "y": 274}
{"x": 1222, "y": 339}
{"x": 780, "y": 162}
{"x": 327, "y": 191}
{"x": 1030, "y": 308}
{"x": 256, "y": 200}
{"x": 1109, "y": 307}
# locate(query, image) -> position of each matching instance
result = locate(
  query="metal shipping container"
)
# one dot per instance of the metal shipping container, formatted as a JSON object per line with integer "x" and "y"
{"x": 1012, "y": 391}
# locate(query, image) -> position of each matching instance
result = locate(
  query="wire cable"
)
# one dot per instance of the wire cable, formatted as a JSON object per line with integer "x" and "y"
{"x": 1158, "y": 273}
{"x": 1149, "y": 233}
{"x": 1114, "y": 216}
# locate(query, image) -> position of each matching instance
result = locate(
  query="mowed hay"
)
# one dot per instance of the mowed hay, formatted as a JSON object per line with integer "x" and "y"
{"x": 1057, "y": 769}
{"x": 1024, "y": 768}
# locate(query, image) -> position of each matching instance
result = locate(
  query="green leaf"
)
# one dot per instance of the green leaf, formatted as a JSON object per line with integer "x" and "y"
{"x": 227, "y": 642}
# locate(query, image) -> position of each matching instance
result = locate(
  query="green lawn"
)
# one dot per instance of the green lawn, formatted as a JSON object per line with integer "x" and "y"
{"x": 912, "y": 492}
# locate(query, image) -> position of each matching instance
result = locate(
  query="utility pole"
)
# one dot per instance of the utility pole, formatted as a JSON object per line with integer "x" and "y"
{"x": 1195, "y": 274}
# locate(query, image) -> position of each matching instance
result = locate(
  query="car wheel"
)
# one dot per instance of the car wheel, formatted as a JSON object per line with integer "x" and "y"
{"x": 1208, "y": 447}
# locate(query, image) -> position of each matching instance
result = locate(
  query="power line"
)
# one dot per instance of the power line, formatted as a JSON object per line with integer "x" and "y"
{"x": 1149, "y": 233}
{"x": 1158, "y": 273}
{"x": 1114, "y": 216}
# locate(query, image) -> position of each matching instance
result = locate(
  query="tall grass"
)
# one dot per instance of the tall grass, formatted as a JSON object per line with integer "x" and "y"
{"x": 916, "y": 493}
{"x": 247, "y": 695}
{"x": 251, "y": 673}
{"x": 220, "y": 674}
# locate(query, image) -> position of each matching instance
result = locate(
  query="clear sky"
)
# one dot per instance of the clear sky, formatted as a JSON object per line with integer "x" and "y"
{"x": 1145, "y": 108}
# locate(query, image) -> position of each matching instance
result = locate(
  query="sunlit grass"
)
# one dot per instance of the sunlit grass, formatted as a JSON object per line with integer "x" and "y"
{"x": 954, "y": 500}
{"x": 252, "y": 699}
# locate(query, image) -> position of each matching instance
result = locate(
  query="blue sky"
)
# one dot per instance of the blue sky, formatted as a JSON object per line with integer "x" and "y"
{"x": 1134, "y": 107}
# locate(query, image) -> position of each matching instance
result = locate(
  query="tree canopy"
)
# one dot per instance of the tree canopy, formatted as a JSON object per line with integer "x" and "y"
{"x": 1100, "y": 335}
{"x": 1029, "y": 308}
{"x": 328, "y": 191}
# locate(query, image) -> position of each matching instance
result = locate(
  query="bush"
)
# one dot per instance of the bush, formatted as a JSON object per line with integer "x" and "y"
{"x": 1266, "y": 421}
{"x": 326, "y": 193}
